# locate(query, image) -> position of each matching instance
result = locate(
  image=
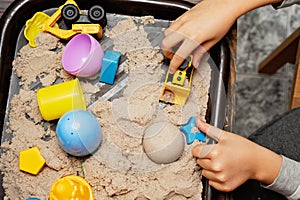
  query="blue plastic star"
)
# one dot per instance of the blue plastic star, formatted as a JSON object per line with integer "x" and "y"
{"x": 190, "y": 135}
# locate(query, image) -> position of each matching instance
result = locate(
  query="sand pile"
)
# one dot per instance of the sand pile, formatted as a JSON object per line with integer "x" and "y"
{"x": 119, "y": 169}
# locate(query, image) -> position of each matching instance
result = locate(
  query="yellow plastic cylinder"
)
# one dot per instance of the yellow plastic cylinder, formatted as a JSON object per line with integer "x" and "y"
{"x": 56, "y": 100}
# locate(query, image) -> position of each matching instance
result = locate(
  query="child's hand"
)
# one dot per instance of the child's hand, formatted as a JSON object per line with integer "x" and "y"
{"x": 234, "y": 159}
{"x": 196, "y": 31}
{"x": 200, "y": 28}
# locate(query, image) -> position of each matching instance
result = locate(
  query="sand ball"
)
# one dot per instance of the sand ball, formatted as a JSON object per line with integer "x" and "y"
{"x": 163, "y": 142}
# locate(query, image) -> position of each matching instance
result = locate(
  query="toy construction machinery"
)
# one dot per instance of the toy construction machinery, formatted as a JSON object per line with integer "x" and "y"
{"x": 80, "y": 23}
{"x": 76, "y": 21}
{"x": 177, "y": 86}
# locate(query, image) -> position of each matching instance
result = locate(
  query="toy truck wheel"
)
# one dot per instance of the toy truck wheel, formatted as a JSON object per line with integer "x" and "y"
{"x": 97, "y": 15}
{"x": 70, "y": 14}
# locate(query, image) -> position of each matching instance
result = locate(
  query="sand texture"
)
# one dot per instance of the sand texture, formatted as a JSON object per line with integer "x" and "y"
{"x": 119, "y": 169}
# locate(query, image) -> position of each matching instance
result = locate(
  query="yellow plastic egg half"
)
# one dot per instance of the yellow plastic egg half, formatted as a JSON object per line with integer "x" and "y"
{"x": 71, "y": 187}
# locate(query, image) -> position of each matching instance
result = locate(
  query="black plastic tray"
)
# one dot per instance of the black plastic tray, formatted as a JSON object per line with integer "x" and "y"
{"x": 14, "y": 19}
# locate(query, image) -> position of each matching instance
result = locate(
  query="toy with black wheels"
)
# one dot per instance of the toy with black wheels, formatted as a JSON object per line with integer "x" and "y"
{"x": 97, "y": 15}
{"x": 70, "y": 14}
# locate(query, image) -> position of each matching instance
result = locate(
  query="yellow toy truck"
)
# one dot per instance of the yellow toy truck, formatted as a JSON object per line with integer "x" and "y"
{"x": 177, "y": 86}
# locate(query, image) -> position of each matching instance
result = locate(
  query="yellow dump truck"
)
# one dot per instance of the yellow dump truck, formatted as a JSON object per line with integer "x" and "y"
{"x": 177, "y": 86}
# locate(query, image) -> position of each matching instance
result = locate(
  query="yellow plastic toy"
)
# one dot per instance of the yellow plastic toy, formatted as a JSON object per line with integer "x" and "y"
{"x": 31, "y": 160}
{"x": 55, "y": 100}
{"x": 34, "y": 27}
{"x": 177, "y": 87}
{"x": 71, "y": 187}
{"x": 76, "y": 28}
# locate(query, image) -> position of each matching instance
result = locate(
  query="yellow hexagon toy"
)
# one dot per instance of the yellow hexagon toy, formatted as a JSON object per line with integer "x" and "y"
{"x": 31, "y": 160}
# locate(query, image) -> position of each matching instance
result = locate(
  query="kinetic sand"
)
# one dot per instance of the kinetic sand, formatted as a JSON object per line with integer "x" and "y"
{"x": 119, "y": 169}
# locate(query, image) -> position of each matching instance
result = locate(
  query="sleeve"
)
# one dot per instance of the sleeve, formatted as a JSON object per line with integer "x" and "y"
{"x": 288, "y": 180}
{"x": 285, "y": 3}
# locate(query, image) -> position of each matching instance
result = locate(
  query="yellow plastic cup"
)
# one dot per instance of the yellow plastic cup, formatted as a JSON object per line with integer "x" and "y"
{"x": 56, "y": 100}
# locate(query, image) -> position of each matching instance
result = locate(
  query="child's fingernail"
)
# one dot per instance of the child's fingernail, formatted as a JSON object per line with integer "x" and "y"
{"x": 171, "y": 70}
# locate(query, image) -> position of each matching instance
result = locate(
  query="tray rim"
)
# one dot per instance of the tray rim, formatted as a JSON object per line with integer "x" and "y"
{"x": 13, "y": 12}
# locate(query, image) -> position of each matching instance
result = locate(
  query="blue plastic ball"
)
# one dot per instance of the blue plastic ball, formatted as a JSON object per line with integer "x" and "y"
{"x": 78, "y": 133}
